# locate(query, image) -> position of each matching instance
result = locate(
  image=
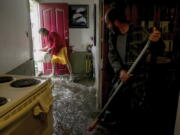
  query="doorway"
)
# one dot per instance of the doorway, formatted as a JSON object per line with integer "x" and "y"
{"x": 53, "y": 17}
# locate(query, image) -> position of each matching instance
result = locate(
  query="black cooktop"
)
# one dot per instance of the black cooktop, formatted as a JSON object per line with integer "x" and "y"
{"x": 3, "y": 101}
{"x": 25, "y": 82}
{"x": 4, "y": 79}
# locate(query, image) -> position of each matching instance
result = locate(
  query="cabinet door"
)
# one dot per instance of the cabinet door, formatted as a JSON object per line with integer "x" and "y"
{"x": 54, "y": 17}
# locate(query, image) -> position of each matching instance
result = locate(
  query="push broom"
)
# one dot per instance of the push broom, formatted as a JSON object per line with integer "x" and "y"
{"x": 99, "y": 116}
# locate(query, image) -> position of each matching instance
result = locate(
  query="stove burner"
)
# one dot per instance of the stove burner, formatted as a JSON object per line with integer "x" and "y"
{"x": 24, "y": 82}
{"x": 4, "y": 79}
{"x": 3, "y": 101}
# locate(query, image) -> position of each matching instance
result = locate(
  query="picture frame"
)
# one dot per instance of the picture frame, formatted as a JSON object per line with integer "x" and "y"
{"x": 78, "y": 16}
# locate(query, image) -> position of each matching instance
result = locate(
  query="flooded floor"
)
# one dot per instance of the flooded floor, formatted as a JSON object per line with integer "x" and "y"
{"x": 74, "y": 107}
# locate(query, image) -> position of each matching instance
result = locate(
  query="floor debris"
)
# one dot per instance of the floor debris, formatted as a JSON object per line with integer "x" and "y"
{"x": 74, "y": 107}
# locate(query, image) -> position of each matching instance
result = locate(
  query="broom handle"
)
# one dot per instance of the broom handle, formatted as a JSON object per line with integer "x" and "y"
{"x": 92, "y": 126}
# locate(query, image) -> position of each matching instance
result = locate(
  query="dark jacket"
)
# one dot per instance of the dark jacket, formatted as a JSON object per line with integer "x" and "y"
{"x": 136, "y": 88}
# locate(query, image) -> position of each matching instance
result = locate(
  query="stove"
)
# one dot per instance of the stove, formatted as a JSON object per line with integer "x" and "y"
{"x": 4, "y": 79}
{"x": 3, "y": 101}
{"x": 27, "y": 82}
{"x": 23, "y": 99}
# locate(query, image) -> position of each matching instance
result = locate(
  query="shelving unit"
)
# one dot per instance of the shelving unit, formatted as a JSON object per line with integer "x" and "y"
{"x": 164, "y": 18}
{"x": 165, "y": 97}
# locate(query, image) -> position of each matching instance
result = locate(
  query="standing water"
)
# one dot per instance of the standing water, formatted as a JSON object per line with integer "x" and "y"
{"x": 74, "y": 107}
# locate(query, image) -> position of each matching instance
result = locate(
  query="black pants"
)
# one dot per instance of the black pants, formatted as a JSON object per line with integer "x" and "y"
{"x": 129, "y": 118}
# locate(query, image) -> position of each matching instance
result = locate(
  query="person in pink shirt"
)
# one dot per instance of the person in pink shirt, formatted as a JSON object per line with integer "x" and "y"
{"x": 56, "y": 46}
